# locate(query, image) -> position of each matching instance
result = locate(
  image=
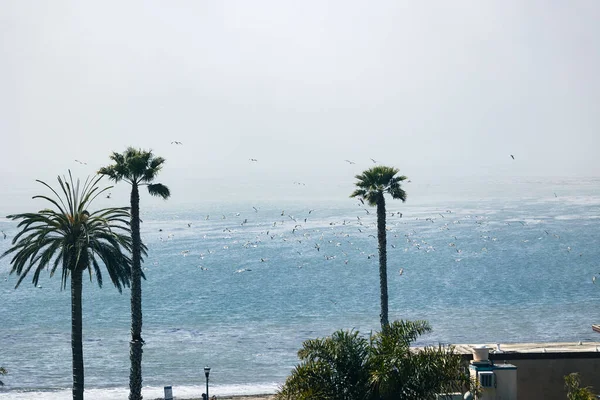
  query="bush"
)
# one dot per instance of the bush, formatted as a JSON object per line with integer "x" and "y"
{"x": 346, "y": 366}
{"x": 574, "y": 391}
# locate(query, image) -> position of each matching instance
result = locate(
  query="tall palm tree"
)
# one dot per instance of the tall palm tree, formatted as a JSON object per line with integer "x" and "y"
{"x": 138, "y": 168}
{"x": 75, "y": 239}
{"x": 372, "y": 185}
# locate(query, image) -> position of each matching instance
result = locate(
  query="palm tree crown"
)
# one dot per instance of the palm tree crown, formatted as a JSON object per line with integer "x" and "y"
{"x": 137, "y": 167}
{"x": 72, "y": 237}
{"x": 375, "y": 182}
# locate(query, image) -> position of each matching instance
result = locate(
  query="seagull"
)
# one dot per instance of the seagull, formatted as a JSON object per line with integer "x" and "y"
{"x": 3, "y": 234}
{"x": 401, "y": 271}
{"x": 81, "y": 162}
{"x": 176, "y": 142}
{"x": 350, "y": 162}
{"x": 108, "y": 195}
{"x": 255, "y": 209}
{"x": 253, "y": 159}
{"x": 374, "y": 161}
{"x": 513, "y": 157}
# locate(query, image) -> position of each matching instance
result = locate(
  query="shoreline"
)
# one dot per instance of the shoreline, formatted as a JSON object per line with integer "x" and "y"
{"x": 233, "y": 397}
{"x": 240, "y": 397}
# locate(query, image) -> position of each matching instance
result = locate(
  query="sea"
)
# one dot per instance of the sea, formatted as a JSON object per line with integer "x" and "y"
{"x": 238, "y": 286}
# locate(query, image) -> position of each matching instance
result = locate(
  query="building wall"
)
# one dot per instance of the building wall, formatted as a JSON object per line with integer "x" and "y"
{"x": 541, "y": 375}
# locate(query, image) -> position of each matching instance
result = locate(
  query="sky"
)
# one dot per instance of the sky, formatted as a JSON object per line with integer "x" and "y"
{"x": 444, "y": 91}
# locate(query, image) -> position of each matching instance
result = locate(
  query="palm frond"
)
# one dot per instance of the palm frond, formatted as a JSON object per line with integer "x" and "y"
{"x": 159, "y": 190}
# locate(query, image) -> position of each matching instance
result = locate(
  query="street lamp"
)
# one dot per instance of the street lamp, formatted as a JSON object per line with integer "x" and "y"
{"x": 206, "y": 373}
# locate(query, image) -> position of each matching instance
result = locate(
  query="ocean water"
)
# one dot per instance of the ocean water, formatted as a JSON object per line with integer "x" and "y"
{"x": 239, "y": 287}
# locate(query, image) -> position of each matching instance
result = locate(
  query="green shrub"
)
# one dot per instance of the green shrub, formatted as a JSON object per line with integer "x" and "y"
{"x": 346, "y": 366}
{"x": 574, "y": 391}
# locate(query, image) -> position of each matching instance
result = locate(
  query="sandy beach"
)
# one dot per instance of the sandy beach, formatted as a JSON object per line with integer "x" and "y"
{"x": 247, "y": 397}
{"x": 254, "y": 397}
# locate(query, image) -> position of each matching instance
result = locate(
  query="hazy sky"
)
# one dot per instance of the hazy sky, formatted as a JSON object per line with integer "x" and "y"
{"x": 443, "y": 90}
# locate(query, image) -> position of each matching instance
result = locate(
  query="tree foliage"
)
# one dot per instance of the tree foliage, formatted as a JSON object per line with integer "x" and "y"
{"x": 347, "y": 366}
{"x": 574, "y": 389}
{"x": 71, "y": 237}
{"x": 375, "y": 182}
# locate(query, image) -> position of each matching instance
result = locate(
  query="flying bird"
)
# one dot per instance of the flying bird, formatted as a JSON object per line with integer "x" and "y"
{"x": 374, "y": 161}
{"x": 350, "y": 162}
{"x": 81, "y": 162}
{"x": 253, "y": 159}
{"x": 176, "y": 142}
{"x": 513, "y": 157}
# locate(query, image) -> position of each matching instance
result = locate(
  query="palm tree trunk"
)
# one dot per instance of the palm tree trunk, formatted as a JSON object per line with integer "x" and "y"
{"x": 76, "y": 333}
{"x": 381, "y": 238}
{"x": 135, "y": 354}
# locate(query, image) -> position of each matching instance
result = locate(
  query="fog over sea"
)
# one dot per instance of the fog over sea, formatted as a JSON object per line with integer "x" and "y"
{"x": 238, "y": 286}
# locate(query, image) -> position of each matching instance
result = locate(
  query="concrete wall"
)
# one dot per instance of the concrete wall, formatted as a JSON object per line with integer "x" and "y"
{"x": 540, "y": 376}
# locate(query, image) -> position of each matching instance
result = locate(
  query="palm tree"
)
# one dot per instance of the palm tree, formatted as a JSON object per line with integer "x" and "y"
{"x": 372, "y": 185}
{"x": 346, "y": 366}
{"x": 399, "y": 372}
{"x": 77, "y": 240}
{"x": 138, "y": 168}
{"x": 332, "y": 368}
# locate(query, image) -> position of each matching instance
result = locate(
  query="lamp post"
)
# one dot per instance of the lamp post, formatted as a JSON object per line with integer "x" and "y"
{"x": 206, "y": 373}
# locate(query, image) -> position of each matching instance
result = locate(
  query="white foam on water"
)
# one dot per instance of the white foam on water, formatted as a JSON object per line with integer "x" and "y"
{"x": 148, "y": 392}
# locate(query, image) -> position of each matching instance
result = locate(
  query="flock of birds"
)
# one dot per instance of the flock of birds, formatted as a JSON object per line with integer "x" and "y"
{"x": 317, "y": 237}
{"x": 333, "y": 239}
